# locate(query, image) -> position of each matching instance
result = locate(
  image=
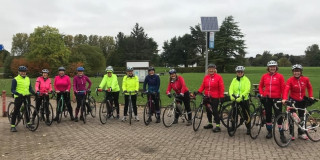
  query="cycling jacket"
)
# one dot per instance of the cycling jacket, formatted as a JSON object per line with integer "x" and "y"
{"x": 110, "y": 82}
{"x": 271, "y": 86}
{"x": 153, "y": 82}
{"x": 178, "y": 86}
{"x": 240, "y": 86}
{"x": 62, "y": 83}
{"x": 130, "y": 83}
{"x": 43, "y": 85}
{"x": 297, "y": 88}
{"x": 79, "y": 83}
{"x": 21, "y": 85}
{"x": 213, "y": 86}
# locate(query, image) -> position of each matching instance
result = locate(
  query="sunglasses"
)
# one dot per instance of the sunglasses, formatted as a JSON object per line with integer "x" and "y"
{"x": 239, "y": 71}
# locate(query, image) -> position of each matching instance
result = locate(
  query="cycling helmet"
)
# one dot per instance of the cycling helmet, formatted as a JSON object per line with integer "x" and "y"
{"x": 109, "y": 69}
{"x": 297, "y": 66}
{"x": 171, "y": 71}
{"x": 22, "y": 69}
{"x": 81, "y": 69}
{"x": 212, "y": 66}
{"x": 151, "y": 68}
{"x": 45, "y": 71}
{"x": 240, "y": 68}
{"x": 272, "y": 63}
{"x": 61, "y": 69}
{"x": 129, "y": 69}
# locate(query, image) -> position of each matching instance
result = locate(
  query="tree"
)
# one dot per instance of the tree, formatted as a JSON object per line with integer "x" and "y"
{"x": 312, "y": 55}
{"x": 80, "y": 39}
{"x": 20, "y": 44}
{"x": 284, "y": 62}
{"x": 3, "y": 55}
{"x": 68, "y": 41}
{"x": 229, "y": 45}
{"x": 200, "y": 40}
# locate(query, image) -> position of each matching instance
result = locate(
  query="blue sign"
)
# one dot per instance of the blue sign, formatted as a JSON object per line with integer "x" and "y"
{"x": 211, "y": 40}
{"x": 211, "y": 44}
{"x": 1, "y": 47}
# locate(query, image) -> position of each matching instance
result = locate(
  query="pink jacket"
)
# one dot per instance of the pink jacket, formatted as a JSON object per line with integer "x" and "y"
{"x": 43, "y": 85}
{"x": 62, "y": 83}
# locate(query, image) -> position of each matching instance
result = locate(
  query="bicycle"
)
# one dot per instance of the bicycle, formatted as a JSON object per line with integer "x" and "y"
{"x": 309, "y": 124}
{"x": 61, "y": 107}
{"x": 130, "y": 106}
{"x": 199, "y": 113}
{"x": 258, "y": 117}
{"x": 26, "y": 110}
{"x": 91, "y": 103}
{"x": 224, "y": 109}
{"x": 149, "y": 108}
{"x": 233, "y": 119}
{"x": 107, "y": 109}
{"x": 176, "y": 107}
{"x": 10, "y": 108}
{"x": 48, "y": 112}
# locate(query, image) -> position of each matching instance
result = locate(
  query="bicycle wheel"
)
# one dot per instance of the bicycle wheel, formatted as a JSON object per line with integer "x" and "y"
{"x": 146, "y": 114}
{"x": 33, "y": 117}
{"x": 65, "y": 112}
{"x": 83, "y": 111}
{"x": 10, "y": 110}
{"x": 168, "y": 116}
{"x": 130, "y": 112}
{"x": 283, "y": 129}
{"x": 103, "y": 113}
{"x": 197, "y": 118}
{"x": 312, "y": 125}
{"x": 256, "y": 123}
{"x": 93, "y": 107}
{"x": 232, "y": 121}
{"x": 224, "y": 111}
{"x": 49, "y": 115}
{"x": 60, "y": 105}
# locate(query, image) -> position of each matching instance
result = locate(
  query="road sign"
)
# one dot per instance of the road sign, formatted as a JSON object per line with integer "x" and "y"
{"x": 211, "y": 40}
{"x": 1, "y": 47}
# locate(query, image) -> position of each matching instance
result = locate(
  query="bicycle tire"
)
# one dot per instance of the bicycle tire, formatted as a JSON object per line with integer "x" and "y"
{"x": 232, "y": 121}
{"x": 285, "y": 127}
{"x": 130, "y": 112}
{"x": 197, "y": 118}
{"x": 103, "y": 113}
{"x": 224, "y": 111}
{"x": 10, "y": 110}
{"x": 312, "y": 125}
{"x": 256, "y": 123}
{"x": 146, "y": 114}
{"x": 83, "y": 111}
{"x": 93, "y": 107}
{"x": 59, "y": 116}
{"x": 50, "y": 117}
{"x": 168, "y": 116}
{"x": 34, "y": 118}
{"x": 65, "y": 112}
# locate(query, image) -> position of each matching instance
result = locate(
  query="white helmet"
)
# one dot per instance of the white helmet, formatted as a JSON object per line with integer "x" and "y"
{"x": 109, "y": 69}
{"x": 297, "y": 66}
{"x": 272, "y": 63}
{"x": 240, "y": 68}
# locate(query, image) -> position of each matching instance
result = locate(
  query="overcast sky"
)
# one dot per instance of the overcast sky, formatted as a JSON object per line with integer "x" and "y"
{"x": 287, "y": 26}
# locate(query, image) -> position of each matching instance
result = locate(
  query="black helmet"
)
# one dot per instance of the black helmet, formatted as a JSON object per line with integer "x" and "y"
{"x": 45, "y": 71}
{"x": 22, "y": 69}
{"x": 61, "y": 69}
{"x": 171, "y": 71}
{"x": 212, "y": 66}
{"x": 151, "y": 68}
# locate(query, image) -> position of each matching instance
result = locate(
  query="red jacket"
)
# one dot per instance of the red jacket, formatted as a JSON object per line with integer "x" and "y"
{"x": 212, "y": 86}
{"x": 297, "y": 88}
{"x": 43, "y": 85}
{"x": 178, "y": 86}
{"x": 271, "y": 85}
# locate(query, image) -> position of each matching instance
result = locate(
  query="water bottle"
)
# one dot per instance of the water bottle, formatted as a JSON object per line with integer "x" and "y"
{"x": 295, "y": 117}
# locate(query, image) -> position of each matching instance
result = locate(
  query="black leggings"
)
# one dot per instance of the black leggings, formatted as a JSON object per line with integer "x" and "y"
{"x": 115, "y": 96}
{"x": 126, "y": 104}
{"x": 186, "y": 102}
{"x": 156, "y": 98}
{"x": 214, "y": 102}
{"x": 66, "y": 96}
{"x": 39, "y": 100}
{"x": 245, "y": 109}
{"x": 17, "y": 105}
{"x": 268, "y": 105}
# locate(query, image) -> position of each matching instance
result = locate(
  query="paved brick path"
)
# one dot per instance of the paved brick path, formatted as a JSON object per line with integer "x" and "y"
{"x": 118, "y": 140}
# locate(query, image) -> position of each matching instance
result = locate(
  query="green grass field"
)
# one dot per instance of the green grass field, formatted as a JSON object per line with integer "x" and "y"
{"x": 193, "y": 81}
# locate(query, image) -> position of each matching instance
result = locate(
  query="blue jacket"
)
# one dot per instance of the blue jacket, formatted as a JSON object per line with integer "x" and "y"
{"x": 153, "y": 83}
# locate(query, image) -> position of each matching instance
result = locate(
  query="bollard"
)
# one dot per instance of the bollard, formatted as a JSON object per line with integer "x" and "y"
{"x": 4, "y": 112}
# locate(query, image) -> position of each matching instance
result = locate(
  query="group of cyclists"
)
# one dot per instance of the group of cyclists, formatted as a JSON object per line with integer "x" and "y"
{"x": 272, "y": 87}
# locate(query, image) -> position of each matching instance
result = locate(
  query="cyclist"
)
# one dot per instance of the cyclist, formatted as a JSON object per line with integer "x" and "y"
{"x": 213, "y": 88}
{"x": 43, "y": 87}
{"x": 62, "y": 85}
{"x": 80, "y": 89}
{"x": 153, "y": 82}
{"x": 130, "y": 83}
{"x": 271, "y": 86}
{"x": 21, "y": 88}
{"x": 110, "y": 84}
{"x": 178, "y": 85}
{"x": 297, "y": 86}
{"x": 240, "y": 86}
